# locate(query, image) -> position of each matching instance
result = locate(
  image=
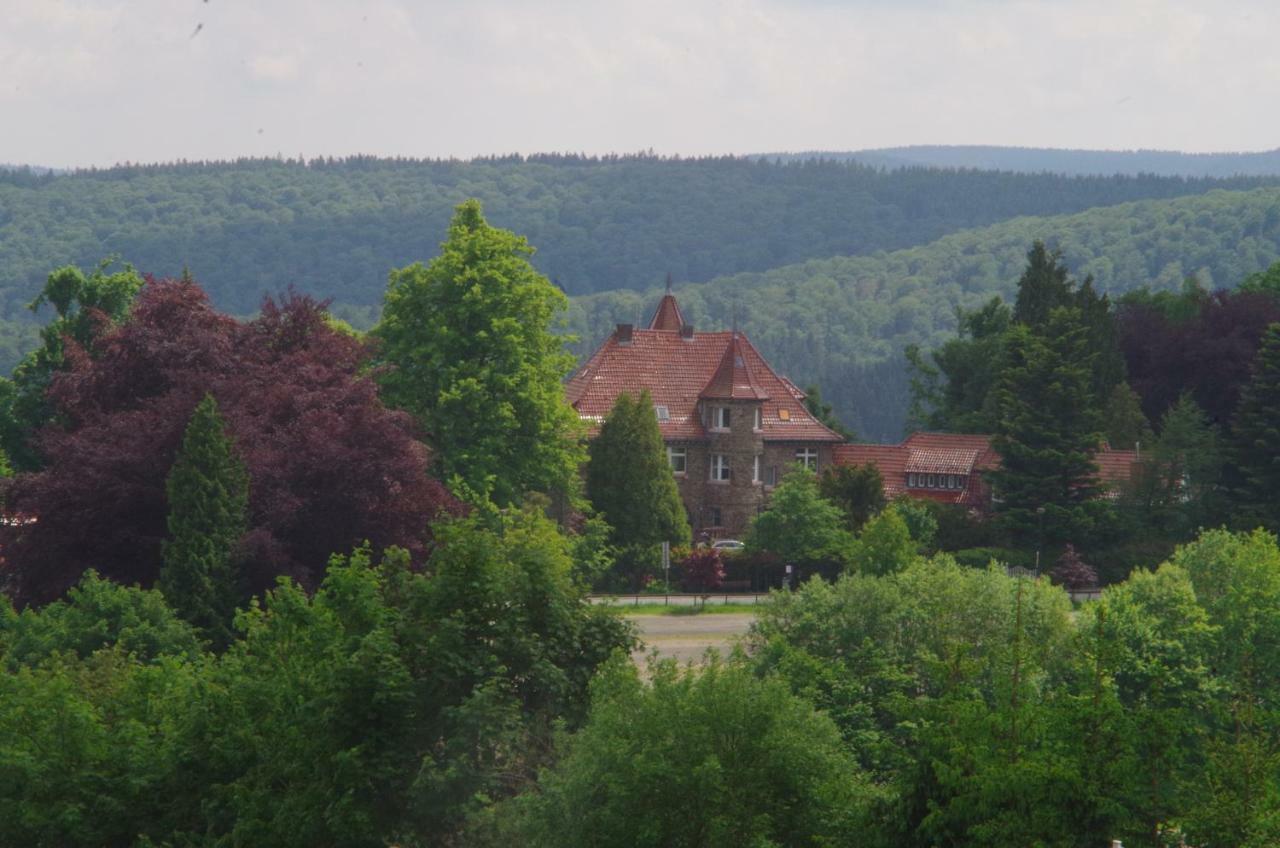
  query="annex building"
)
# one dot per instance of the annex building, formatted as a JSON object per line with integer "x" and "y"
{"x": 952, "y": 467}
{"x": 732, "y": 425}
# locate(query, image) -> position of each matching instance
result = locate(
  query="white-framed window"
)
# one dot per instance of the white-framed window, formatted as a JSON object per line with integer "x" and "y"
{"x": 755, "y": 470}
{"x": 911, "y": 480}
{"x": 720, "y": 470}
{"x": 662, "y": 412}
{"x": 678, "y": 459}
{"x": 719, "y": 418}
{"x": 808, "y": 457}
{"x": 933, "y": 481}
{"x": 759, "y": 422}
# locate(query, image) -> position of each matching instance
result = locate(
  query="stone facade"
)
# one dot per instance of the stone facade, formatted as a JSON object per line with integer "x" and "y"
{"x": 691, "y": 378}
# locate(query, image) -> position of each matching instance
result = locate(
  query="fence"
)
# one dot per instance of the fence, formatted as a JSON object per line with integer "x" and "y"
{"x": 678, "y": 599}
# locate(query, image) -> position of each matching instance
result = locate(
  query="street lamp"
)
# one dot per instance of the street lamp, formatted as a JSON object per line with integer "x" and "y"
{"x": 1039, "y": 536}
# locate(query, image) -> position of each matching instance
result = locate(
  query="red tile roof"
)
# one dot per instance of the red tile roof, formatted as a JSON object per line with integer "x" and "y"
{"x": 890, "y": 459}
{"x": 1115, "y": 467}
{"x": 734, "y": 379}
{"x": 677, "y": 370}
{"x": 960, "y": 453}
{"x": 986, "y": 456}
{"x": 668, "y": 315}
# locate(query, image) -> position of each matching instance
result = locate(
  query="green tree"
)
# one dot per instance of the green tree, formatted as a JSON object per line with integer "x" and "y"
{"x": 1257, "y": 435}
{"x": 1048, "y": 434}
{"x": 1179, "y": 483}
{"x": 208, "y": 493}
{"x": 1045, "y": 285}
{"x": 629, "y": 481}
{"x": 85, "y": 307}
{"x": 474, "y": 360}
{"x": 857, "y": 489}
{"x": 710, "y": 757}
{"x": 822, "y": 411}
{"x": 954, "y": 392}
{"x": 800, "y": 525}
{"x": 95, "y": 614}
{"x": 1126, "y": 424}
{"x": 885, "y": 545}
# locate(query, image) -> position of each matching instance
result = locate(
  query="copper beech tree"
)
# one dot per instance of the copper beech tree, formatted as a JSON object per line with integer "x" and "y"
{"x": 329, "y": 466}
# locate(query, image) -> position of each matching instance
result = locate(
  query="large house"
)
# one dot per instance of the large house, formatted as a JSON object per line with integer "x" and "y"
{"x": 952, "y": 467}
{"x": 731, "y": 424}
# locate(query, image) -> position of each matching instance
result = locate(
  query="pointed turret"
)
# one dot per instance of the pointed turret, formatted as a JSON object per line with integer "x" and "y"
{"x": 668, "y": 315}
{"x": 733, "y": 379}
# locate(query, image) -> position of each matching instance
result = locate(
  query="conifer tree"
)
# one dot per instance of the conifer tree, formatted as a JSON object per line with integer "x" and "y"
{"x": 629, "y": 479}
{"x": 208, "y": 492}
{"x": 1049, "y": 430}
{"x": 1257, "y": 435}
{"x": 1126, "y": 424}
{"x": 1043, "y": 287}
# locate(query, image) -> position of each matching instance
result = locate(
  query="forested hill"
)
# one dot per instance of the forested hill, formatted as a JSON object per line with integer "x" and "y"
{"x": 334, "y": 228}
{"x": 843, "y": 322}
{"x": 1040, "y": 159}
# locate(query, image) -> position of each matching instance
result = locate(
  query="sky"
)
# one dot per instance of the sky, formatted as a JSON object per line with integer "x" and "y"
{"x": 98, "y": 82}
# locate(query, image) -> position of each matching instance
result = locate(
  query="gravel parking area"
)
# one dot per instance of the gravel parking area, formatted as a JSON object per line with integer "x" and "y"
{"x": 687, "y": 637}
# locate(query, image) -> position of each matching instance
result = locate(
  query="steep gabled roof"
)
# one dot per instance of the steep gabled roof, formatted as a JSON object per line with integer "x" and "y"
{"x": 733, "y": 379}
{"x": 676, "y": 369}
{"x": 668, "y": 315}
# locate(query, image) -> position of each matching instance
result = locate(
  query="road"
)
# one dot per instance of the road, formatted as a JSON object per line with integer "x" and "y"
{"x": 687, "y": 637}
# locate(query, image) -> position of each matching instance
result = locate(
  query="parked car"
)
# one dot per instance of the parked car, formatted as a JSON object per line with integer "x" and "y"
{"x": 727, "y": 545}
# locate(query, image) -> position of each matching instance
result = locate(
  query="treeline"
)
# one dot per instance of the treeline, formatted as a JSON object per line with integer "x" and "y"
{"x": 1056, "y": 161}
{"x": 843, "y": 323}
{"x": 335, "y": 228}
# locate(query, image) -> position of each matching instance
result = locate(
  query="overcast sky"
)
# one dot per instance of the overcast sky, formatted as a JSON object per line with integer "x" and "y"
{"x": 103, "y": 81}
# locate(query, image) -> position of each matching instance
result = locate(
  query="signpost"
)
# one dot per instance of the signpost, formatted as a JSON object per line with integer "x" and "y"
{"x": 666, "y": 573}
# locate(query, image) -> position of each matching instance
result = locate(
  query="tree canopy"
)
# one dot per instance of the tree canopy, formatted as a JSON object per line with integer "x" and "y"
{"x": 473, "y": 357}
{"x": 329, "y": 466}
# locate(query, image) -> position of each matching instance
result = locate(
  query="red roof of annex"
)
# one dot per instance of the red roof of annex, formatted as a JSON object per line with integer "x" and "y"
{"x": 679, "y": 368}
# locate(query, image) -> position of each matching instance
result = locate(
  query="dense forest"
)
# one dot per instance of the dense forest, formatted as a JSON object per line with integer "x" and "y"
{"x": 335, "y": 228}
{"x": 843, "y": 322}
{"x": 1040, "y": 160}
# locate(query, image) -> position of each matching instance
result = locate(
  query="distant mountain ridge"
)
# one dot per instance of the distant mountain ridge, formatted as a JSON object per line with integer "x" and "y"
{"x": 334, "y": 228}
{"x": 1031, "y": 160}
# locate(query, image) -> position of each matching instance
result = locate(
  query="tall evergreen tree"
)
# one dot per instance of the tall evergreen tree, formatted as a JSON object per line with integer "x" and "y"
{"x": 1049, "y": 430}
{"x": 1043, "y": 287}
{"x": 1126, "y": 424}
{"x": 1257, "y": 436}
{"x": 208, "y": 492}
{"x": 629, "y": 479}
{"x": 474, "y": 360}
{"x": 1179, "y": 483}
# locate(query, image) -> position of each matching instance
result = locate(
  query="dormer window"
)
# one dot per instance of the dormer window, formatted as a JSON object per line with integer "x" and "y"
{"x": 662, "y": 412}
{"x": 784, "y": 414}
{"x": 719, "y": 418}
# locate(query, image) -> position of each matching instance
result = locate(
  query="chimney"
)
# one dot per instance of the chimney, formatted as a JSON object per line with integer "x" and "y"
{"x": 623, "y": 333}
{"x": 686, "y": 332}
